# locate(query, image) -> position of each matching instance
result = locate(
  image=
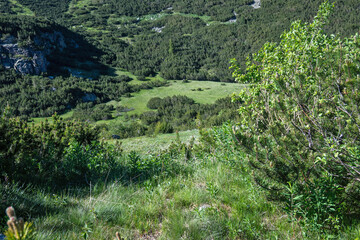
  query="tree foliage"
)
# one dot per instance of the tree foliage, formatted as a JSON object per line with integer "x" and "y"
{"x": 300, "y": 117}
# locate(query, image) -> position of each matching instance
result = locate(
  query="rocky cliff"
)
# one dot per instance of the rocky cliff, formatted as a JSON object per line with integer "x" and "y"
{"x": 30, "y": 58}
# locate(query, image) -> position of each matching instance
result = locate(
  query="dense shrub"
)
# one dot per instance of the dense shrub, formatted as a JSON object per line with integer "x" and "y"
{"x": 300, "y": 121}
{"x": 141, "y": 168}
{"x": 92, "y": 161}
{"x": 154, "y": 103}
{"x": 57, "y": 153}
{"x": 89, "y": 112}
{"x": 141, "y": 78}
{"x": 126, "y": 130}
{"x": 150, "y": 117}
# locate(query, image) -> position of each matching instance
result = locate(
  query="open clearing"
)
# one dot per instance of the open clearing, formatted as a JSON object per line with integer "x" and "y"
{"x": 201, "y": 91}
{"x": 156, "y": 143}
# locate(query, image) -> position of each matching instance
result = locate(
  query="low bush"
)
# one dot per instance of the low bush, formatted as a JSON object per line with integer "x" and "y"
{"x": 57, "y": 153}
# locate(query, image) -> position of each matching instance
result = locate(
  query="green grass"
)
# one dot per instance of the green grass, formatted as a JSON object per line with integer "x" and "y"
{"x": 212, "y": 197}
{"x": 205, "y": 18}
{"x": 20, "y": 9}
{"x": 119, "y": 72}
{"x": 38, "y": 120}
{"x": 214, "y": 201}
{"x": 114, "y": 18}
{"x": 153, "y": 144}
{"x": 153, "y": 17}
{"x": 135, "y": 80}
{"x": 211, "y": 91}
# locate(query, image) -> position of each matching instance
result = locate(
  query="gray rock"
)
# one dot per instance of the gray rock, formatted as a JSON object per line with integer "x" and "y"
{"x": 39, "y": 62}
{"x": 256, "y": 4}
{"x": 8, "y": 39}
{"x": 158, "y": 29}
{"x": 24, "y": 66}
{"x": 115, "y": 136}
{"x": 24, "y": 60}
{"x": 204, "y": 206}
{"x": 31, "y": 58}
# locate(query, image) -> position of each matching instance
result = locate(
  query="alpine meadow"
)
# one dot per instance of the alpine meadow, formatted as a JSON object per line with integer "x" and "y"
{"x": 175, "y": 119}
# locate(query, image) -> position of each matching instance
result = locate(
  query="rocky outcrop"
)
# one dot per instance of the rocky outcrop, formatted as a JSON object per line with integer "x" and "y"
{"x": 30, "y": 58}
{"x": 24, "y": 60}
{"x": 256, "y": 4}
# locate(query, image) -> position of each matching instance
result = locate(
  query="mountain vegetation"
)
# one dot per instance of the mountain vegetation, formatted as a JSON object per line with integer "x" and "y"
{"x": 279, "y": 160}
{"x": 175, "y": 39}
{"x": 195, "y": 39}
{"x": 299, "y": 123}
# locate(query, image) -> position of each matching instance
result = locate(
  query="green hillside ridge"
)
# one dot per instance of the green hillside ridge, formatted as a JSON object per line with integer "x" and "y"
{"x": 193, "y": 27}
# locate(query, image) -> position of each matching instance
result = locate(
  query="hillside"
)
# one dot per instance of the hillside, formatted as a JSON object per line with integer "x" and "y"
{"x": 148, "y": 140}
{"x": 29, "y": 39}
{"x": 117, "y": 43}
{"x": 176, "y": 39}
{"x": 188, "y": 39}
{"x": 194, "y": 40}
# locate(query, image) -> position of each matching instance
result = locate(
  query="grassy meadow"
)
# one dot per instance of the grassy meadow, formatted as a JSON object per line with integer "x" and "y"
{"x": 38, "y": 120}
{"x": 282, "y": 171}
{"x": 209, "y": 195}
{"x": 201, "y": 91}
{"x": 212, "y": 201}
{"x": 152, "y": 144}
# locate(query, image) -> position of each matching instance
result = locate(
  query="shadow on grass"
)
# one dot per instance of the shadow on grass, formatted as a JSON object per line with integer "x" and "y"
{"x": 33, "y": 201}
